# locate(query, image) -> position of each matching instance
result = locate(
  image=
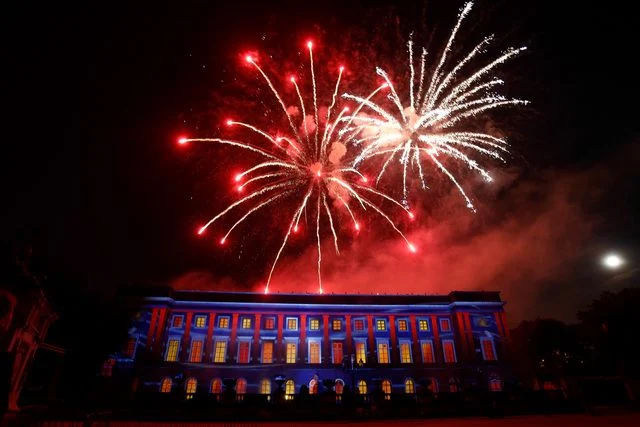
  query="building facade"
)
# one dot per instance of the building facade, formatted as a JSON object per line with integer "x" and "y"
{"x": 209, "y": 343}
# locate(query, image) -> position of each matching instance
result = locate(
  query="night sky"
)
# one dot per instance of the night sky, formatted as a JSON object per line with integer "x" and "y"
{"x": 93, "y": 180}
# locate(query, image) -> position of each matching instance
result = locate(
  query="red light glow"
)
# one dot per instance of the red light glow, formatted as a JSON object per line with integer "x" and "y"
{"x": 183, "y": 140}
{"x": 201, "y": 230}
{"x": 229, "y": 122}
{"x": 412, "y": 248}
{"x": 341, "y": 68}
{"x": 295, "y": 229}
{"x": 319, "y": 173}
{"x": 365, "y": 179}
{"x": 240, "y": 188}
{"x": 238, "y": 177}
{"x": 411, "y": 215}
{"x": 223, "y": 240}
{"x": 357, "y": 226}
{"x": 309, "y": 44}
{"x": 292, "y": 79}
{"x": 249, "y": 59}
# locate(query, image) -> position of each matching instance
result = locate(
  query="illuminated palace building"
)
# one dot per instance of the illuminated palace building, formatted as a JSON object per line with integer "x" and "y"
{"x": 192, "y": 344}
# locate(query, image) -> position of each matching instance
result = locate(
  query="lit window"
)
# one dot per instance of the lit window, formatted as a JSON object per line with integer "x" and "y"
{"x": 292, "y": 324}
{"x": 453, "y": 385}
{"x": 177, "y": 321}
{"x": 409, "y": 386}
{"x": 449, "y": 352}
{"x": 265, "y": 386}
{"x": 269, "y": 323}
{"x": 196, "y": 352}
{"x": 267, "y": 352}
{"x": 241, "y": 386}
{"x": 243, "y": 352}
{"x": 107, "y": 368}
{"x": 246, "y": 323}
{"x": 314, "y": 324}
{"x": 337, "y": 352}
{"x": 386, "y": 389}
{"x": 427, "y": 352}
{"x": 339, "y": 389}
{"x": 433, "y": 385}
{"x": 423, "y": 325}
{"x": 381, "y": 325}
{"x": 383, "y": 352}
{"x": 358, "y": 325}
{"x": 291, "y": 352}
{"x": 130, "y": 350}
{"x": 314, "y": 352}
{"x": 220, "y": 352}
{"x": 487, "y": 349}
{"x": 289, "y": 389}
{"x": 216, "y": 386}
{"x": 361, "y": 352}
{"x": 495, "y": 384}
{"x": 223, "y": 322}
{"x": 165, "y": 385}
{"x": 336, "y": 325}
{"x": 362, "y": 387}
{"x": 405, "y": 352}
{"x": 445, "y": 325}
{"x": 172, "y": 350}
{"x": 190, "y": 387}
{"x": 402, "y": 325}
{"x": 201, "y": 321}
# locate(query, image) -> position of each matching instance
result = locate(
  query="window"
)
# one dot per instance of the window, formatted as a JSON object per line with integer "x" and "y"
{"x": 381, "y": 325}
{"x": 358, "y": 325}
{"x": 336, "y": 325}
{"x": 495, "y": 384}
{"x": 172, "y": 350}
{"x": 339, "y": 386}
{"x": 314, "y": 352}
{"x": 265, "y": 386}
{"x": 427, "y": 352}
{"x": 488, "y": 351}
{"x": 130, "y": 350}
{"x": 453, "y": 385}
{"x": 409, "y": 386}
{"x": 216, "y": 386}
{"x": 243, "y": 352}
{"x": 383, "y": 352}
{"x": 201, "y": 321}
{"x": 386, "y": 389}
{"x": 402, "y": 325}
{"x": 267, "y": 352}
{"x": 449, "y": 352}
{"x": 292, "y": 323}
{"x": 423, "y": 325}
{"x": 220, "y": 352}
{"x": 291, "y": 352}
{"x": 223, "y": 322}
{"x": 362, "y": 387}
{"x": 241, "y": 386}
{"x": 314, "y": 324}
{"x": 445, "y": 325}
{"x": 433, "y": 385}
{"x": 361, "y": 352}
{"x": 246, "y": 323}
{"x": 107, "y": 368}
{"x": 165, "y": 385}
{"x": 289, "y": 389}
{"x": 405, "y": 352}
{"x": 196, "y": 351}
{"x": 190, "y": 387}
{"x": 177, "y": 322}
{"x": 337, "y": 352}
{"x": 269, "y": 323}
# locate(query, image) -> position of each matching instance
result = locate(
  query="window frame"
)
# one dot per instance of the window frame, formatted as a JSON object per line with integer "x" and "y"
{"x": 288, "y": 319}
{"x": 406, "y": 325}
{"x": 355, "y": 323}
{"x": 364, "y": 347}
{"x": 426, "y": 322}
{"x": 272, "y": 342}
{"x": 248, "y": 320}
{"x": 176, "y": 317}
{"x": 493, "y": 348}
{"x": 313, "y": 320}
{"x": 433, "y": 352}
{"x": 335, "y": 322}
{"x": 408, "y": 344}
{"x": 319, "y": 343}
{"x": 266, "y": 323}
{"x": 333, "y": 355}
{"x": 286, "y": 348}
{"x": 444, "y": 353}
{"x": 168, "y": 349}
{"x": 227, "y": 320}
{"x": 441, "y": 321}
{"x": 384, "y": 322}
{"x": 193, "y": 342}
{"x": 226, "y": 350}
{"x": 384, "y": 342}
{"x": 166, "y": 380}
{"x": 198, "y": 317}
{"x": 246, "y": 341}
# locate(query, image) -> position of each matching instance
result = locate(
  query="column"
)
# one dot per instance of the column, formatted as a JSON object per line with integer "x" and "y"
{"x": 393, "y": 348}
{"x": 437, "y": 345}
{"x": 160, "y": 330}
{"x": 462, "y": 337}
{"x": 233, "y": 340}
{"x": 326, "y": 353}
{"x": 278, "y": 356}
{"x": 415, "y": 343}
{"x": 184, "y": 351}
{"x": 208, "y": 346}
{"x": 372, "y": 343}
{"x": 348, "y": 345}
{"x": 303, "y": 338}
{"x": 255, "y": 351}
{"x": 152, "y": 328}
{"x": 472, "y": 346}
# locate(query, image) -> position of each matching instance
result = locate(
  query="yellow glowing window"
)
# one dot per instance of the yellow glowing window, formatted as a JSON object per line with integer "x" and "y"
{"x": 423, "y": 325}
{"x": 314, "y": 352}
{"x": 386, "y": 389}
{"x": 336, "y": 325}
{"x": 383, "y": 352}
{"x": 246, "y": 323}
{"x": 402, "y": 325}
{"x": 223, "y": 322}
{"x": 265, "y": 386}
{"x": 267, "y": 352}
{"x": 361, "y": 352}
{"x": 165, "y": 385}
{"x": 289, "y": 389}
{"x": 409, "y": 386}
{"x": 201, "y": 321}
{"x": 314, "y": 324}
{"x": 196, "y": 352}
{"x": 337, "y": 352}
{"x": 291, "y": 352}
{"x": 190, "y": 387}
{"x": 381, "y": 325}
{"x": 427, "y": 352}
{"x": 292, "y": 324}
{"x": 220, "y": 352}
{"x": 405, "y": 352}
{"x": 216, "y": 386}
{"x": 172, "y": 351}
{"x": 362, "y": 387}
{"x": 243, "y": 352}
{"x": 358, "y": 325}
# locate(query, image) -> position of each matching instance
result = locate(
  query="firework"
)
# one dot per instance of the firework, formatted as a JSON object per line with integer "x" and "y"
{"x": 309, "y": 163}
{"x": 428, "y": 125}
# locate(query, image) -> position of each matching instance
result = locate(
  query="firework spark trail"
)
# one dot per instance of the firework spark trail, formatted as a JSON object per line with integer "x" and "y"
{"x": 322, "y": 168}
{"x": 430, "y": 121}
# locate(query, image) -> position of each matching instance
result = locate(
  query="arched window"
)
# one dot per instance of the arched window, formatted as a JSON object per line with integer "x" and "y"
{"x": 265, "y": 386}
{"x": 339, "y": 386}
{"x": 216, "y": 386}
{"x": 289, "y": 389}
{"x": 362, "y": 387}
{"x": 433, "y": 385}
{"x": 386, "y": 389}
{"x": 190, "y": 387}
{"x": 409, "y": 386}
{"x": 241, "y": 386}
{"x": 165, "y": 385}
{"x": 495, "y": 383}
{"x": 453, "y": 385}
